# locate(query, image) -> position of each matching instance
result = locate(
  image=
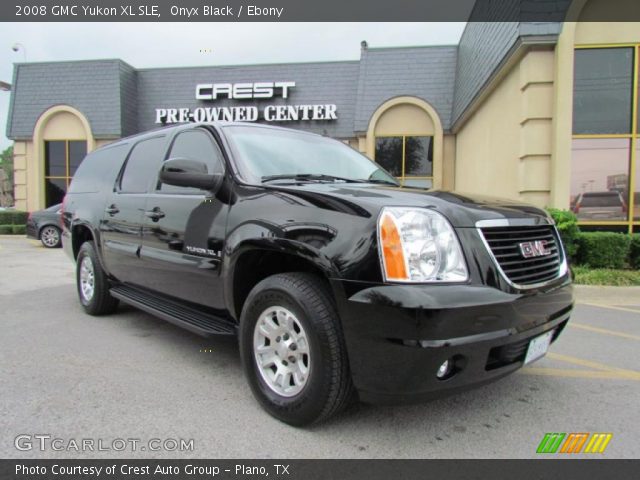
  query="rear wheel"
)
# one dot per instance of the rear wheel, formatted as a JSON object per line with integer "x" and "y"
{"x": 92, "y": 283}
{"x": 50, "y": 236}
{"x": 292, "y": 349}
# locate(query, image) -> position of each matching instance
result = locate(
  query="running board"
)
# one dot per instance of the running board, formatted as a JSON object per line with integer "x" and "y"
{"x": 181, "y": 315}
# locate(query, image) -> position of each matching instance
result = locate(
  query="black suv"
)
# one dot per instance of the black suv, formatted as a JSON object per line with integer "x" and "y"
{"x": 339, "y": 282}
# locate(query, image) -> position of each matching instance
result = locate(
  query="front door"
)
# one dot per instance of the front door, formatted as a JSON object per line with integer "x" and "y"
{"x": 184, "y": 229}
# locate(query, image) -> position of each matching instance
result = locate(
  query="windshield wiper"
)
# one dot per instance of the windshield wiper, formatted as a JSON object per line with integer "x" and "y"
{"x": 308, "y": 177}
{"x": 380, "y": 181}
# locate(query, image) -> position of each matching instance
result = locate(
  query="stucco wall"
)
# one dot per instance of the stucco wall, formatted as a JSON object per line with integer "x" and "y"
{"x": 20, "y": 175}
{"x": 504, "y": 149}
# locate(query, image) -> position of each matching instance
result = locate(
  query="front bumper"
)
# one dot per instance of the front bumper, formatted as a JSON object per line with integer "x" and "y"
{"x": 398, "y": 335}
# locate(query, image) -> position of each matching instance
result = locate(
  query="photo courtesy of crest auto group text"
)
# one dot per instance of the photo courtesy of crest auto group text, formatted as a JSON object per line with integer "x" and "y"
{"x": 297, "y": 240}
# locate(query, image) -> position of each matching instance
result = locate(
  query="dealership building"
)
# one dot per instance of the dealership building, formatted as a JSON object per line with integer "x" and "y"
{"x": 543, "y": 112}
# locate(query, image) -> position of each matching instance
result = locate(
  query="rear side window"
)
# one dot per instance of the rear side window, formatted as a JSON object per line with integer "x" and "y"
{"x": 142, "y": 165}
{"x": 601, "y": 200}
{"x": 194, "y": 145}
{"x": 99, "y": 169}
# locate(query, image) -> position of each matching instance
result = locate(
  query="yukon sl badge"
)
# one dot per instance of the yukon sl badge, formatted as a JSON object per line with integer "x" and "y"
{"x": 537, "y": 248}
{"x": 203, "y": 251}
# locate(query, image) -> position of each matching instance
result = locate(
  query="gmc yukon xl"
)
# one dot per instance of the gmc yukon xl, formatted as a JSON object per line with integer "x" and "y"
{"x": 339, "y": 283}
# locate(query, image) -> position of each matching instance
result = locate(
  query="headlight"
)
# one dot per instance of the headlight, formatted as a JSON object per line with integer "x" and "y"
{"x": 419, "y": 245}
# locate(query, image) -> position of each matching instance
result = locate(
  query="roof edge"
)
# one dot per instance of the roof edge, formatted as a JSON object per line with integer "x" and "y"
{"x": 522, "y": 45}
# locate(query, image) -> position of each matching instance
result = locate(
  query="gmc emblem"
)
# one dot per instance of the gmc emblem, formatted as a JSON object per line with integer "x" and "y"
{"x": 534, "y": 249}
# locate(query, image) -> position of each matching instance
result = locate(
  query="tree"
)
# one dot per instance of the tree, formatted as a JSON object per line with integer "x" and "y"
{"x": 6, "y": 177}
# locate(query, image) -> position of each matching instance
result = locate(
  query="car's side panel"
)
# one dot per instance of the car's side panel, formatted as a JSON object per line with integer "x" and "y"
{"x": 121, "y": 235}
{"x": 182, "y": 251}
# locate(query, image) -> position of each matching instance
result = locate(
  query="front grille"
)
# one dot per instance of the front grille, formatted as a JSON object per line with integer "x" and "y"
{"x": 504, "y": 243}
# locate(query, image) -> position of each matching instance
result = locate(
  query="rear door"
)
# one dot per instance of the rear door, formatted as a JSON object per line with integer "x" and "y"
{"x": 121, "y": 228}
{"x": 184, "y": 229}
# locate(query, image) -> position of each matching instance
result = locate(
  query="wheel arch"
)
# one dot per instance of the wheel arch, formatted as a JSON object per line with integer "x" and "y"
{"x": 254, "y": 261}
{"x": 80, "y": 233}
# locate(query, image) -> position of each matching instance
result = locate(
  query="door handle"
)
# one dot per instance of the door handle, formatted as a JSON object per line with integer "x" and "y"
{"x": 112, "y": 210}
{"x": 155, "y": 214}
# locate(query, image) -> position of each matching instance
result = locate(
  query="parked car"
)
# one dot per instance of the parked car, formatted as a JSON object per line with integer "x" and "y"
{"x": 607, "y": 205}
{"x": 44, "y": 225}
{"x": 338, "y": 282}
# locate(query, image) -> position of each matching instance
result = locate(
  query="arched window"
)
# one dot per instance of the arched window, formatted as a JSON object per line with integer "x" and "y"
{"x": 62, "y": 138}
{"x": 406, "y": 139}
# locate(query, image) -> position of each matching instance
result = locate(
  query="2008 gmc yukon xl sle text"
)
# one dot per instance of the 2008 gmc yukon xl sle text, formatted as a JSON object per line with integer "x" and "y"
{"x": 339, "y": 282}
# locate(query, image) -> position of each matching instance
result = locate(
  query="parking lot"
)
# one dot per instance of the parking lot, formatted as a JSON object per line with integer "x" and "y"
{"x": 129, "y": 375}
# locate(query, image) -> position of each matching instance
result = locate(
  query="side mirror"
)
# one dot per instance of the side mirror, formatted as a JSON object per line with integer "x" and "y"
{"x": 185, "y": 172}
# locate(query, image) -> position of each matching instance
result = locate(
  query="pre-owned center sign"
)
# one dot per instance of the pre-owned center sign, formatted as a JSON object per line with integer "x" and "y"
{"x": 206, "y": 92}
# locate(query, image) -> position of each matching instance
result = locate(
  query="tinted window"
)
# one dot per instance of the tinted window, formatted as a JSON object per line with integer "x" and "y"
{"x": 98, "y": 168}
{"x": 55, "y": 158}
{"x": 142, "y": 165}
{"x": 389, "y": 154}
{"x": 55, "y": 189}
{"x": 77, "y": 152}
{"x": 195, "y": 145}
{"x": 602, "y": 90}
{"x": 418, "y": 160}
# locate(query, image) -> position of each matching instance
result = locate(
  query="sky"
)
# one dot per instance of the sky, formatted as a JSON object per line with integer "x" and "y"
{"x": 145, "y": 45}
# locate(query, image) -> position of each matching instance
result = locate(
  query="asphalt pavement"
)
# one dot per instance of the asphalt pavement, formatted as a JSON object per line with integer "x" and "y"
{"x": 71, "y": 377}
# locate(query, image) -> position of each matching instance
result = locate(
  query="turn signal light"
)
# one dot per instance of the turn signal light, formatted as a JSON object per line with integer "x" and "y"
{"x": 392, "y": 252}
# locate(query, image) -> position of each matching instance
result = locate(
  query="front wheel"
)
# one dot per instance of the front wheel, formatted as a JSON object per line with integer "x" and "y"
{"x": 293, "y": 350}
{"x": 92, "y": 283}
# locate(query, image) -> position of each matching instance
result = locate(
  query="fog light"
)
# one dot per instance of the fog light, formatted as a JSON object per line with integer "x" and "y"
{"x": 444, "y": 369}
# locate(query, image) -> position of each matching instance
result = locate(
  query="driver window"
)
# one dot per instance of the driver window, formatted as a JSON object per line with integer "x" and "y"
{"x": 194, "y": 145}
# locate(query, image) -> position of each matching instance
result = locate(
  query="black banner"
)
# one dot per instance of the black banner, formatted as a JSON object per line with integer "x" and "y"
{"x": 318, "y": 469}
{"x": 312, "y": 10}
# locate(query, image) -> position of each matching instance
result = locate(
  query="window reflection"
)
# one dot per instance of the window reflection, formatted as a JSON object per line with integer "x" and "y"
{"x": 55, "y": 155}
{"x": 600, "y": 179}
{"x": 389, "y": 154}
{"x": 418, "y": 157}
{"x": 602, "y": 96}
{"x": 409, "y": 158}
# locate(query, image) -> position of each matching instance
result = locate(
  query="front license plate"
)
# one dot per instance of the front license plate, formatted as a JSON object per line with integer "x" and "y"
{"x": 538, "y": 347}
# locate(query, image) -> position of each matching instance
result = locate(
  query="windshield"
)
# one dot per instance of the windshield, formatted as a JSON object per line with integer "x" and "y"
{"x": 264, "y": 154}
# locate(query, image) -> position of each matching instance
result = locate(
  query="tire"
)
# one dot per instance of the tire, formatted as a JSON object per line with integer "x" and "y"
{"x": 297, "y": 309}
{"x": 50, "y": 236}
{"x": 92, "y": 283}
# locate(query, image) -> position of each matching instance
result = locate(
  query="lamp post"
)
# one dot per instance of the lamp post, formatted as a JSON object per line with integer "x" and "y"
{"x": 17, "y": 47}
{"x": 5, "y": 87}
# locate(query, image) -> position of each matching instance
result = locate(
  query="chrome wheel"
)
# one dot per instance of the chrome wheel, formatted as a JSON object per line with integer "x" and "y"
{"x": 50, "y": 236}
{"x": 87, "y": 279}
{"x": 281, "y": 351}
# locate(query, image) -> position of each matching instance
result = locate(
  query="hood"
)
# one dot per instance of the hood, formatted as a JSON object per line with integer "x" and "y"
{"x": 462, "y": 210}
